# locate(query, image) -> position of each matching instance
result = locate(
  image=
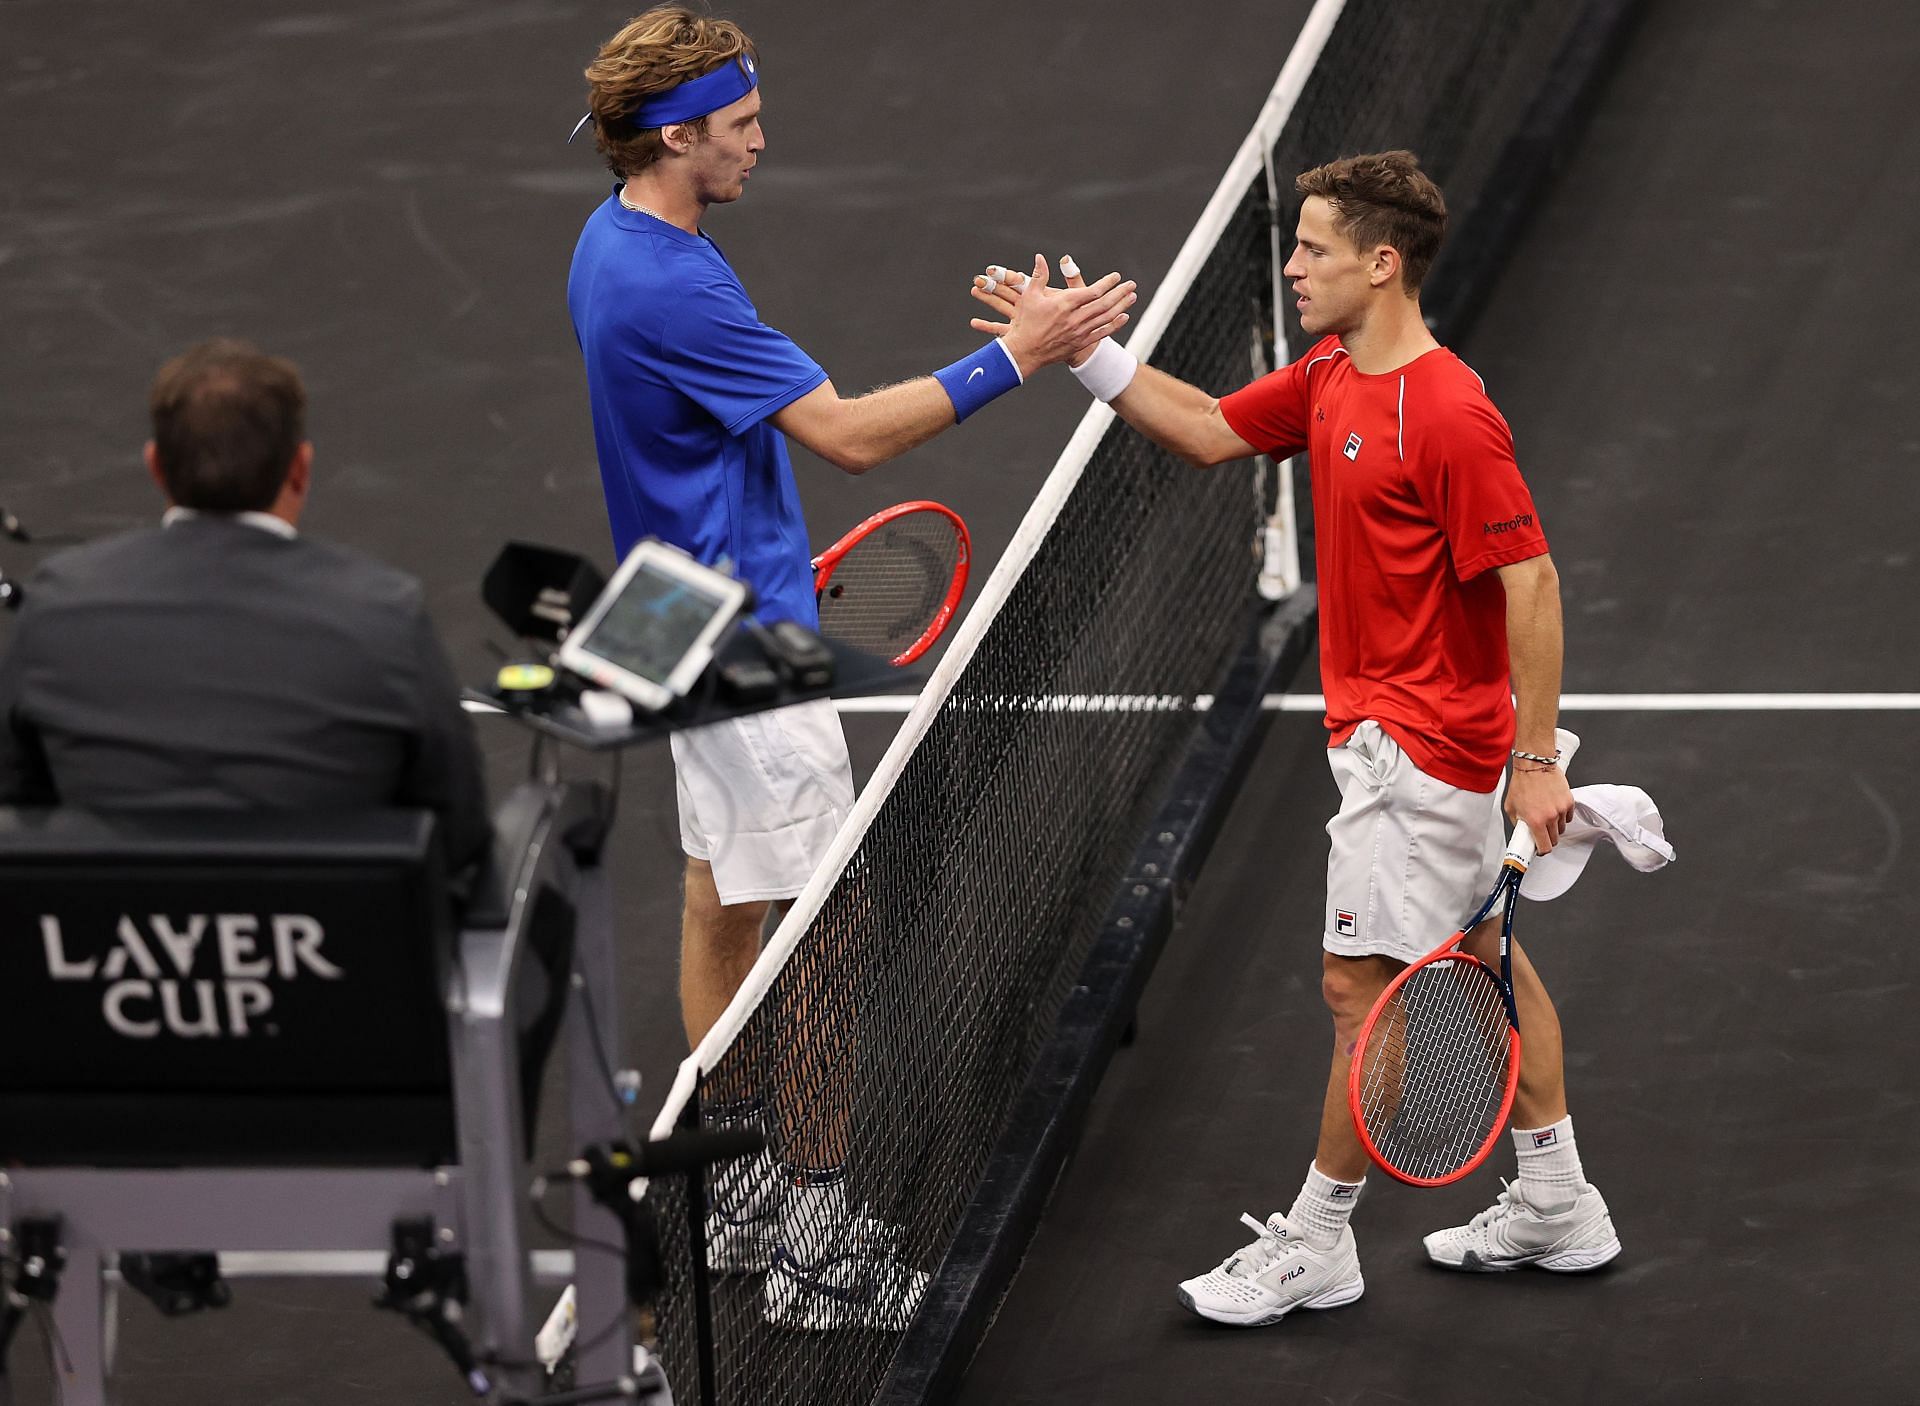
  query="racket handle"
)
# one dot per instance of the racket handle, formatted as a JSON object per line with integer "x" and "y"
{"x": 1523, "y": 849}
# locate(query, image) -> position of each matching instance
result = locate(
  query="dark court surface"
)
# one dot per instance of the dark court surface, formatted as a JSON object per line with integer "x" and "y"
{"x": 1705, "y": 345}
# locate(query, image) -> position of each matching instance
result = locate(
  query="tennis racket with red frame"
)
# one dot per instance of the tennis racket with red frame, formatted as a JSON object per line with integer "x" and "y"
{"x": 1438, "y": 1061}
{"x": 892, "y": 584}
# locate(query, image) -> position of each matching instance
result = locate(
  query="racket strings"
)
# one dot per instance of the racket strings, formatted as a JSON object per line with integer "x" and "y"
{"x": 891, "y": 584}
{"x": 1436, "y": 1069}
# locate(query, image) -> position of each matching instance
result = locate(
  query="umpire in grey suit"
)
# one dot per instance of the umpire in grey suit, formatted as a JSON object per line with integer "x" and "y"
{"x": 222, "y": 659}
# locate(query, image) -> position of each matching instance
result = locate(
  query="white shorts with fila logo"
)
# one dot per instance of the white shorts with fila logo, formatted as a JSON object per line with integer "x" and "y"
{"x": 1410, "y": 857}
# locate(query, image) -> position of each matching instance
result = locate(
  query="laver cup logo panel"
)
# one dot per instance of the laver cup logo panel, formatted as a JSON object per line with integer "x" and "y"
{"x": 168, "y": 980}
{"x": 194, "y": 976}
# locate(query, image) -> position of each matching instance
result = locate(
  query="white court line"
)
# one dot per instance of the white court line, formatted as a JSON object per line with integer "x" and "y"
{"x": 1569, "y": 703}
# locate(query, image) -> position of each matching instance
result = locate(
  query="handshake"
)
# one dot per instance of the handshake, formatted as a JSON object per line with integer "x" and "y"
{"x": 1072, "y": 323}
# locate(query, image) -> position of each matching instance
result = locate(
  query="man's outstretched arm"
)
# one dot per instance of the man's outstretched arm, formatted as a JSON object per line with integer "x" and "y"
{"x": 1180, "y": 418}
{"x": 862, "y": 432}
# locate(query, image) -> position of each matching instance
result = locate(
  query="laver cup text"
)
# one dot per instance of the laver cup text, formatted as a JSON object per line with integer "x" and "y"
{"x": 196, "y": 975}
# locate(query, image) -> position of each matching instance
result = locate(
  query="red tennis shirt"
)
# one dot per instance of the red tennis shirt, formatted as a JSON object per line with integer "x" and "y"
{"x": 1416, "y": 496}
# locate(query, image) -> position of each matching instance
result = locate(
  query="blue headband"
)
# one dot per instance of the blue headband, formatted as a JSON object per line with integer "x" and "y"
{"x": 697, "y": 97}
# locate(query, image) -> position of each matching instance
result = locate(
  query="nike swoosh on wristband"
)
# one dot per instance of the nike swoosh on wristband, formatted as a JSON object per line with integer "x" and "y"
{"x": 977, "y": 371}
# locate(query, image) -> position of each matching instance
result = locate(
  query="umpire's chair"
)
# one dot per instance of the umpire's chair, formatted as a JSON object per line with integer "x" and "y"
{"x": 266, "y": 1036}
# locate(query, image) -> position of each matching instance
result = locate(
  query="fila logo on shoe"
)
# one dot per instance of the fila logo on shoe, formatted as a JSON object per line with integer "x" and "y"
{"x": 1294, "y": 1273}
{"x": 1352, "y": 451}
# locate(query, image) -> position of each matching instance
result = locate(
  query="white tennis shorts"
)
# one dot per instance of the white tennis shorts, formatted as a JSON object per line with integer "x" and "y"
{"x": 761, "y": 797}
{"x": 1411, "y": 857}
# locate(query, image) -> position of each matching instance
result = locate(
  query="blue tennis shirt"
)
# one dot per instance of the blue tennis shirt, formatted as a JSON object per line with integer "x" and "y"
{"x": 683, "y": 376}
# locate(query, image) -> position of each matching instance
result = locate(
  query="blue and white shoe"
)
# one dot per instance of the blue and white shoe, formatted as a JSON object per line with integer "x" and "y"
{"x": 743, "y": 1215}
{"x": 858, "y": 1281}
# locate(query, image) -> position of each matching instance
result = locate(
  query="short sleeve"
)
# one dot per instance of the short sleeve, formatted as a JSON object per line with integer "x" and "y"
{"x": 1471, "y": 484}
{"x": 715, "y": 350}
{"x": 1271, "y": 413}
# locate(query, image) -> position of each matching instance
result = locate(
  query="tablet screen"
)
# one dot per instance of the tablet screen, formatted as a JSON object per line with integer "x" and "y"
{"x": 649, "y": 627}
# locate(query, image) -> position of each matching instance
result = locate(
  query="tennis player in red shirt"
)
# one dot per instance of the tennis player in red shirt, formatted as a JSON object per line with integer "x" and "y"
{"x": 1440, "y": 653}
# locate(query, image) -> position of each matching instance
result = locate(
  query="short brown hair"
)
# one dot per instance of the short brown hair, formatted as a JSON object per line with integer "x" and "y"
{"x": 661, "y": 49}
{"x": 1384, "y": 198}
{"x": 227, "y": 421}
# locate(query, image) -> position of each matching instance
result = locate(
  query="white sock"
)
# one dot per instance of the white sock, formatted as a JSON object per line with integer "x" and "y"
{"x": 1321, "y": 1210}
{"x": 813, "y": 1220}
{"x": 1550, "y": 1175}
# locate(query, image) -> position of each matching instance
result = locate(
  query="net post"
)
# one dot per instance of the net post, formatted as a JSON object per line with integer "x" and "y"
{"x": 1280, "y": 537}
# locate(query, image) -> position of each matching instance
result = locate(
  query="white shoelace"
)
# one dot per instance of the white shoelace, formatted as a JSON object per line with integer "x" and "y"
{"x": 1499, "y": 1210}
{"x": 1258, "y": 1256}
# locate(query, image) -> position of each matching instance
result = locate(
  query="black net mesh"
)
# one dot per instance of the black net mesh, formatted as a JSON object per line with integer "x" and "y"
{"x": 888, "y": 1049}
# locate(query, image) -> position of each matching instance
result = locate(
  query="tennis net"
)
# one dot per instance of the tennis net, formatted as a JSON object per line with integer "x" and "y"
{"x": 895, "y": 1017}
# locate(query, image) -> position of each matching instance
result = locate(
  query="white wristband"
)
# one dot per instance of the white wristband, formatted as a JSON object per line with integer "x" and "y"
{"x": 1108, "y": 371}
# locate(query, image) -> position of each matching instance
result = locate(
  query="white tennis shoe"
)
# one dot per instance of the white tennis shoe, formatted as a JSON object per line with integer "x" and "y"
{"x": 743, "y": 1215}
{"x": 859, "y": 1281}
{"x": 1510, "y": 1234}
{"x": 1279, "y": 1272}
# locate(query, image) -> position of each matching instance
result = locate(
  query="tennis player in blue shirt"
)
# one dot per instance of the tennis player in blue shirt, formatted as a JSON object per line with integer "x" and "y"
{"x": 693, "y": 397}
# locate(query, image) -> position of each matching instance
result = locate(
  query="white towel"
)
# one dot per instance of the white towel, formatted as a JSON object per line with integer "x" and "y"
{"x": 1623, "y": 814}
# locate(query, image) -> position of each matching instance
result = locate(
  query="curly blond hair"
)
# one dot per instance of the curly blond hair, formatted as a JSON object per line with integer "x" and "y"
{"x": 653, "y": 52}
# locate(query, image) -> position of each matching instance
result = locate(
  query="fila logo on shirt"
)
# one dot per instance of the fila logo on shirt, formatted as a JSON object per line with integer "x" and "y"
{"x": 1352, "y": 451}
{"x": 1345, "y": 923}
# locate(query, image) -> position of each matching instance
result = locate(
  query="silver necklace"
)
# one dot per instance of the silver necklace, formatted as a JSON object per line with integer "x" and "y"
{"x": 634, "y": 205}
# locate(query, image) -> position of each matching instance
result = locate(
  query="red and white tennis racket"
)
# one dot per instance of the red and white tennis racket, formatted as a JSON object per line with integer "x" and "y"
{"x": 892, "y": 584}
{"x": 1439, "y": 1057}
